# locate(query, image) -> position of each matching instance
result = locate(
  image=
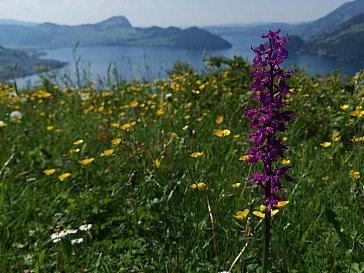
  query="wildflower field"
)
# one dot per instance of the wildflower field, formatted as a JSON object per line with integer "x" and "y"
{"x": 143, "y": 176}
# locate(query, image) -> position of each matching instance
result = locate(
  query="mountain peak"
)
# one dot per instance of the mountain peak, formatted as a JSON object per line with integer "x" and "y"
{"x": 114, "y": 22}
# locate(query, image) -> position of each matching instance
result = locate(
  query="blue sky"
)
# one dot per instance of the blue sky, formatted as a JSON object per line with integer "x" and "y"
{"x": 163, "y": 13}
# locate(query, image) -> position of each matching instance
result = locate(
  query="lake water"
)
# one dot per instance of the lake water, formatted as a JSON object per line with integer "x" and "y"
{"x": 153, "y": 62}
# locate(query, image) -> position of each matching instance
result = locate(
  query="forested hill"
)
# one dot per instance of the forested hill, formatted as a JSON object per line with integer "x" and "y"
{"x": 18, "y": 63}
{"x": 345, "y": 42}
{"x": 115, "y": 31}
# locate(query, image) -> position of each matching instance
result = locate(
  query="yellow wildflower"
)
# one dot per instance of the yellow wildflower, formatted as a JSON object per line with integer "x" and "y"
{"x": 240, "y": 215}
{"x": 133, "y": 104}
{"x": 201, "y": 186}
{"x": 325, "y": 178}
{"x": 107, "y": 152}
{"x": 49, "y": 171}
{"x": 357, "y": 113}
{"x": 50, "y": 128}
{"x": 127, "y": 126}
{"x": 87, "y": 161}
{"x": 78, "y": 142}
{"x": 174, "y": 135}
{"x": 115, "y": 125}
{"x": 354, "y": 174}
{"x": 358, "y": 139}
{"x": 325, "y": 144}
{"x": 262, "y": 208}
{"x": 236, "y": 185}
{"x": 244, "y": 157}
{"x": 285, "y": 139}
{"x": 64, "y": 176}
{"x": 219, "y": 120}
{"x": 285, "y": 161}
{"x": 221, "y": 133}
{"x": 197, "y": 154}
{"x": 157, "y": 163}
{"x": 236, "y": 136}
{"x": 73, "y": 151}
{"x": 282, "y": 204}
{"x": 344, "y": 106}
{"x": 336, "y": 136}
{"x": 262, "y": 215}
{"x": 159, "y": 112}
{"x": 116, "y": 141}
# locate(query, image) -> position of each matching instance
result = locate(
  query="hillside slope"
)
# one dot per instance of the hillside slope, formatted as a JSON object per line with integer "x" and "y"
{"x": 345, "y": 42}
{"x": 331, "y": 21}
{"x": 115, "y": 31}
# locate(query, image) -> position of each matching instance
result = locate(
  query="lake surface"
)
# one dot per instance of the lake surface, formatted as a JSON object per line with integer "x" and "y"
{"x": 153, "y": 62}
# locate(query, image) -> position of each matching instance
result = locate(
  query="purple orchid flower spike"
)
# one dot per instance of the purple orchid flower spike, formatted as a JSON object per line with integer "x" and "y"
{"x": 269, "y": 118}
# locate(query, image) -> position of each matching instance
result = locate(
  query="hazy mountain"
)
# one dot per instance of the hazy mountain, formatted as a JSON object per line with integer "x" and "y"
{"x": 331, "y": 21}
{"x": 346, "y": 41}
{"x": 16, "y": 23}
{"x": 116, "y": 31}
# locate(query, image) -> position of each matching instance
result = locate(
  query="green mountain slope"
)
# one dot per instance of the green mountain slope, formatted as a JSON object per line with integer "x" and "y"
{"x": 116, "y": 31}
{"x": 331, "y": 21}
{"x": 345, "y": 42}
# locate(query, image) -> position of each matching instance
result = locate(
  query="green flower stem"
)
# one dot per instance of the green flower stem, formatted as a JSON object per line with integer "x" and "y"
{"x": 266, "y": 240}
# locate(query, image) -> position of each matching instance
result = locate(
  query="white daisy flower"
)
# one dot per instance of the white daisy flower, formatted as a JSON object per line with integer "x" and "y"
{"x": 85, "y": 227}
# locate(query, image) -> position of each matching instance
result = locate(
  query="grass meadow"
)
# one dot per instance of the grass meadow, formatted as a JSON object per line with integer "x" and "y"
{"x": 142, "y": 176}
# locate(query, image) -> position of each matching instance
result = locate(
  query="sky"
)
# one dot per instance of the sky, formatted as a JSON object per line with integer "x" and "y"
{"x": 180, "y": 13}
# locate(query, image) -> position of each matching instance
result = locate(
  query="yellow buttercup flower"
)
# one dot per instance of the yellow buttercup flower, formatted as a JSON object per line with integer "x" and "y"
{"x": 197, "y": 154}
{"x": 64, "y": 176}
{"x": 49, "y": 171}
{"x": 78, "y": 142}
{"x": 107, "y": 152}
{"x": 236, "y": 185}
{"x": 325, "y": 178}
{"x": 285, "y": 161}
{"x": 157, "y": 163}
{"x": 116, "y": 141}
{"x": 325, "y": 144}
{"x": 174, "y": 135}
{"x": 221, "y": 133}
{"x": 127, "y": 126}
{"x": 133, "y": 104}
{"x": 159, "y": 112}
{"x": 244, "y": 158}
{"x": 354, "y": 174}
{"x": 115, "y": 125}
{"x": 282, "y": 204}
{"x": 262, "y": 215}
{"x": 87, "y": 161}
{"x": 50, "y": 128}
{"x": 259, "y": 214}
{"x": 240, "y": 215}
{"x": 219, "y": 120}
{"x": 344, "y": 106}
{"x": 201, "y": 186}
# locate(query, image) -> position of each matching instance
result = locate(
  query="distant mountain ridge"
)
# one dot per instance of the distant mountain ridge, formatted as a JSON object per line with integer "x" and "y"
{"x": 115, "y": 31}
{"x": 340, "y": 34}
{"x": 331, "y": 21}
{"x": 344, "y": 42}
